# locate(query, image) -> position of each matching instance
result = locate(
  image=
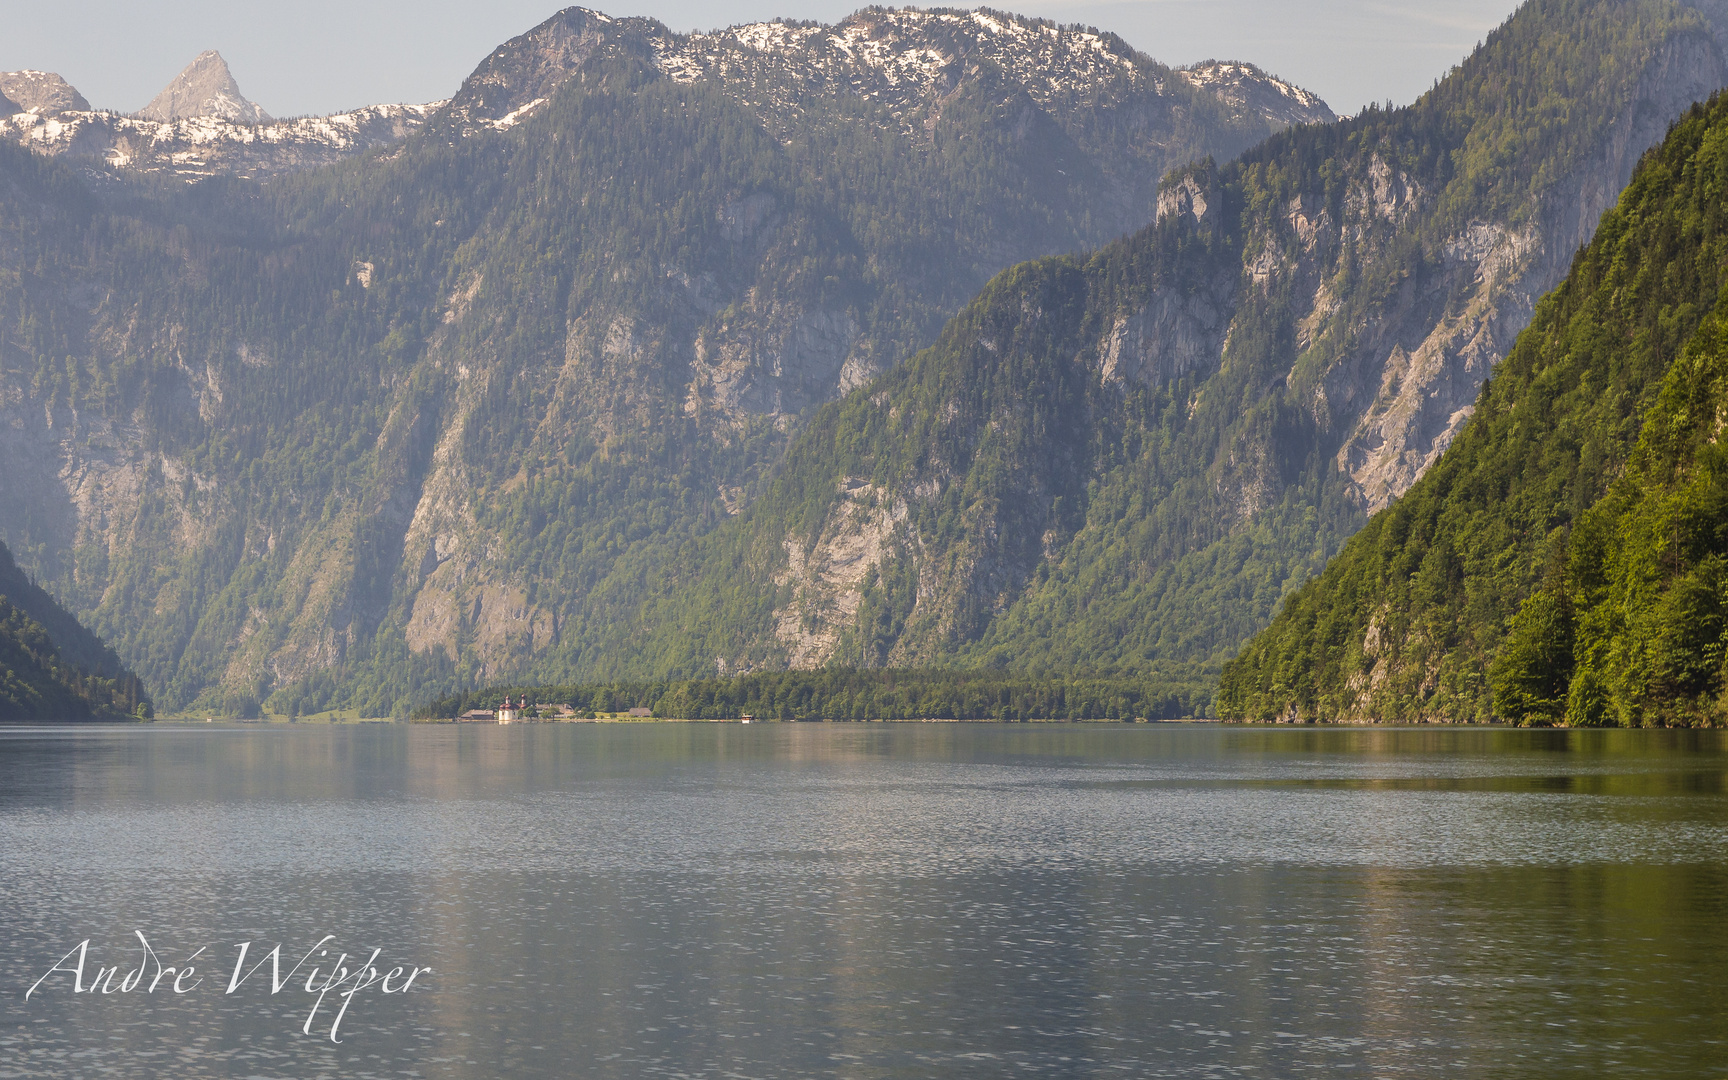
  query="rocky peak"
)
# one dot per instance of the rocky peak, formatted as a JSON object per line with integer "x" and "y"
{"x": 1187, "y": 191}
{"x": 1250, "y": 91}
{"x": 40, "y": 91}
{"x": 204, "y": 88}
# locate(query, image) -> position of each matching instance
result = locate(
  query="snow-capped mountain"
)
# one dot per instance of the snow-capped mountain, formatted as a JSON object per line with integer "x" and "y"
{"x": 205, "y": 87}
{"x": 911, "y": 61}
{"x": 904, "y": 58}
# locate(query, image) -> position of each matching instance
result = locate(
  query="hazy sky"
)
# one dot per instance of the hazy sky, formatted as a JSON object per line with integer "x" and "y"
{"x": 317, "y": 56}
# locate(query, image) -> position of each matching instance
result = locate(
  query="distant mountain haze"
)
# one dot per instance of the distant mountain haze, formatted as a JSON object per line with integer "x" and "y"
{"x": 200, "y": 124}
{"x": 296, "y": 61}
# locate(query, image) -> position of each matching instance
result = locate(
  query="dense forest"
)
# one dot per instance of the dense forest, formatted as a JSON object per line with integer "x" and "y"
{"x": 1563, "y": 561}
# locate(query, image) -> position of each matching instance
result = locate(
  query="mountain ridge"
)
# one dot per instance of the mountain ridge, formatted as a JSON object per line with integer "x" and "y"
{"x": 546, "y": 399}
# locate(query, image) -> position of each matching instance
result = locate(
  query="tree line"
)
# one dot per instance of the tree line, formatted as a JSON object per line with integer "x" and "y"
{"x": 855, "y": 694}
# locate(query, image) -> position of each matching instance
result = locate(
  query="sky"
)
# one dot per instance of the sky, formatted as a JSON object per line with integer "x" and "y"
{"x": 299, "y": 57}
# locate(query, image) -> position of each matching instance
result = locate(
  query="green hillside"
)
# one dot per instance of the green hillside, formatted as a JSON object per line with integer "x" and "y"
{"x": 1563, "y": 561}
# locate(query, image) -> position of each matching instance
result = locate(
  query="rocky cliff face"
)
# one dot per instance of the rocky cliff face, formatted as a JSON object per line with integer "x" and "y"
{"x": 1535, "y": 575}
{"x": 205, "y": 87}
{"x": 1415, "y": 377}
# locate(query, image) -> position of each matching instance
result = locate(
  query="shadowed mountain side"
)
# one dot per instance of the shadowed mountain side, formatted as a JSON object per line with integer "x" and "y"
{"x": 51, "y": 667}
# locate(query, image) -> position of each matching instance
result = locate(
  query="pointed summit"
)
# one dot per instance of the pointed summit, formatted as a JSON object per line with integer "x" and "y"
{"x": 204, "y": 88}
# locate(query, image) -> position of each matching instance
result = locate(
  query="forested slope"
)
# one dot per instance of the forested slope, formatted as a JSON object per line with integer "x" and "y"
{"x": 1563, "y": 561}
{"x": 1122, "y": 463}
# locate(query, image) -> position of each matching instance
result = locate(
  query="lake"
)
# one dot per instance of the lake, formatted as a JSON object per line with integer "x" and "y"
{"x": 865, "y": 900}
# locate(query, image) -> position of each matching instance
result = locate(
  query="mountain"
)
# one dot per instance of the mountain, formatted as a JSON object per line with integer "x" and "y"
{"x": 55, "y": 669}
{"x": 372, "y": 432}
{"x": 205, "y": 87}
{"x": 1564, "y": 560}
{"x": 1123, "y": 463}
{"x": 41, "y": 91}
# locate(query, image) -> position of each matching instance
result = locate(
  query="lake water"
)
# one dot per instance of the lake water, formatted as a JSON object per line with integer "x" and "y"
{"x": 871, "y": 901}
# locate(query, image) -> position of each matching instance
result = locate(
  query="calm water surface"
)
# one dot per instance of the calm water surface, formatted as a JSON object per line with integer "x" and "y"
{"x": 872, "y": 901}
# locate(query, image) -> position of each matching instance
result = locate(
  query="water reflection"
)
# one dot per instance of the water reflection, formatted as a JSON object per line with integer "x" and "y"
{"x": 884, "y": 900}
